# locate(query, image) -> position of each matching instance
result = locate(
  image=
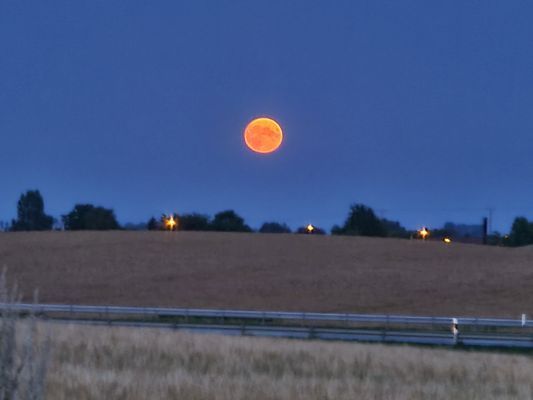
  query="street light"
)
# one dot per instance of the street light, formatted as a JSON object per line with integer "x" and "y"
{"x": 424, "y": 233}
{"x": 310, "y": 228}
{"x": 170, "y": 223}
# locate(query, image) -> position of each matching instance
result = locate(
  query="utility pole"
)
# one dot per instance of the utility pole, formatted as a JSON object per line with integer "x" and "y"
{"x": 489, "y": 226}
{"x": 485, "y": 229}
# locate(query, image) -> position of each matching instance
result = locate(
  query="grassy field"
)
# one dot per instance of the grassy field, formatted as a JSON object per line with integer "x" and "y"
{"x": 276, "y": 272}
{"x": 138, "y": 364}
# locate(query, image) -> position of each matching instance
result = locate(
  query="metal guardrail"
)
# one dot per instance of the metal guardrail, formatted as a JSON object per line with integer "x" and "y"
{"x": 266, "y": 315}
{"x": 376, "y": 336}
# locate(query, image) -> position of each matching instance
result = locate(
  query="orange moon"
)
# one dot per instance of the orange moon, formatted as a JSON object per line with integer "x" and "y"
{"x": 263, "y": 135}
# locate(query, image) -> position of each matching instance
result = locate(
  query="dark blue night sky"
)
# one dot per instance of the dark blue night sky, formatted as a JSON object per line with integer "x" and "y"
{"x": 420, "y": 109}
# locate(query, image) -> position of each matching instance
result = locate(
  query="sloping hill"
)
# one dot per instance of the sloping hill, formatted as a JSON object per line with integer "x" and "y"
{"x": 274, "y": 272}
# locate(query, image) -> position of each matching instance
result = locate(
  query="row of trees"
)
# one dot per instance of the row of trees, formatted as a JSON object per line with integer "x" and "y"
{"x": 224, "y": 221}
{"x": 361, "y": 221}
{"x": 32, "y": 217}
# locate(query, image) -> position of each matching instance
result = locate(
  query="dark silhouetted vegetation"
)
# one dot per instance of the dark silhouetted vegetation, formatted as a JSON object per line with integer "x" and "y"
{"x": 521, "y": 233}
{"x": 440, "y": 233}
{"x": 274, "y": 227}
{"x": 90, "y": 217}
{"x": 496, "y": 239}
{"x": 30, "y": 213}
{"x": 315, "y": 231}
{"x": 361, "y": 221}
{"x": 229, "y": 221}
{"x": 194, "y": 222}
{"x": 464, "y": 230}
{"x": 153, "y": 224}
{"x": 395, "y": 229}
{"x": 458, "y": 231}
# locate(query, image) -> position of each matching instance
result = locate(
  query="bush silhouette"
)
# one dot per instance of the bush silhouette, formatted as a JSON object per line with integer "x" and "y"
{"x": 89, "y": 217}
{"x": 229, "y": 221}
{"x": 194, "y": 222}
{"x": 274, "y": 227}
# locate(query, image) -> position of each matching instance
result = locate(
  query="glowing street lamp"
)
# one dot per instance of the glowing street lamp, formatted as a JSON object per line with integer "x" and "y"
{"x": 424, "y": 233}
{"x": 447, "y": 240}
{"x": 170, "y": 223}
{"x": 310, "y": 228}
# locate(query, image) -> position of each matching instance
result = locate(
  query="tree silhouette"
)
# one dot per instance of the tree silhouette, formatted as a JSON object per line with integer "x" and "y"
{"x": 229, "y": 221}
{"x": 30, "y": 213}
{"x": 521, "y": 232}
{"x": 89, "y": 217}
{"x": 153, "y": 225}
{"x": 361, "y": 221}
{"x": 274, "y": 227}
{"x": 194, "y": 222}
{"x": 395, "y": 229}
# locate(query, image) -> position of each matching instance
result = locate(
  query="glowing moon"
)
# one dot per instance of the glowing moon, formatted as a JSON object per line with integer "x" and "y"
{"x": 263, "y": 135}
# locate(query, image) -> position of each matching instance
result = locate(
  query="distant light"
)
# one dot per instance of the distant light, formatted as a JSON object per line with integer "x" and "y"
{"x": 170, "y": 223}
{"x": 424, "y": 233}
{"x": 447, "y": 240}
{"x": 310, "y": 228}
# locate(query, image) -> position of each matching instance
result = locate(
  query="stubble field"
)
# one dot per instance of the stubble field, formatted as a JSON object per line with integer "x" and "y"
{"x": 138, "y": 364}
{"x": 270, "y": 272}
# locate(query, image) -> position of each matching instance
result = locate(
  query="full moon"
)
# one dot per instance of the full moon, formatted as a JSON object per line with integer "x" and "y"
{"x": 263, "y": 135}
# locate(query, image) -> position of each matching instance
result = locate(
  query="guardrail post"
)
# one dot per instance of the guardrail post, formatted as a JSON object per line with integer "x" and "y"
{"x": 523, "y": 320}
{"x": 311, "y": 334}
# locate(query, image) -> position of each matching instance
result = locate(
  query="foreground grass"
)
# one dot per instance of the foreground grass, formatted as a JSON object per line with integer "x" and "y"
{"x": 126, "y": 363}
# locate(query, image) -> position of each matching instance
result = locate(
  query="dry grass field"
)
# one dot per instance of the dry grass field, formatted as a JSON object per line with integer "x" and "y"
{"x": 275, "y": 272}
{"x": 138, "y": 364}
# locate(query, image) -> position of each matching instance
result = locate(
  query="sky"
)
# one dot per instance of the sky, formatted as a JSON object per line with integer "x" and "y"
{"x": 419, "y": 109}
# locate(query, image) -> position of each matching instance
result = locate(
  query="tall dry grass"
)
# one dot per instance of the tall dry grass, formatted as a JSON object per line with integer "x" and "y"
{"x": 126, "y": 363}
{"x": 23, "y": 354}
